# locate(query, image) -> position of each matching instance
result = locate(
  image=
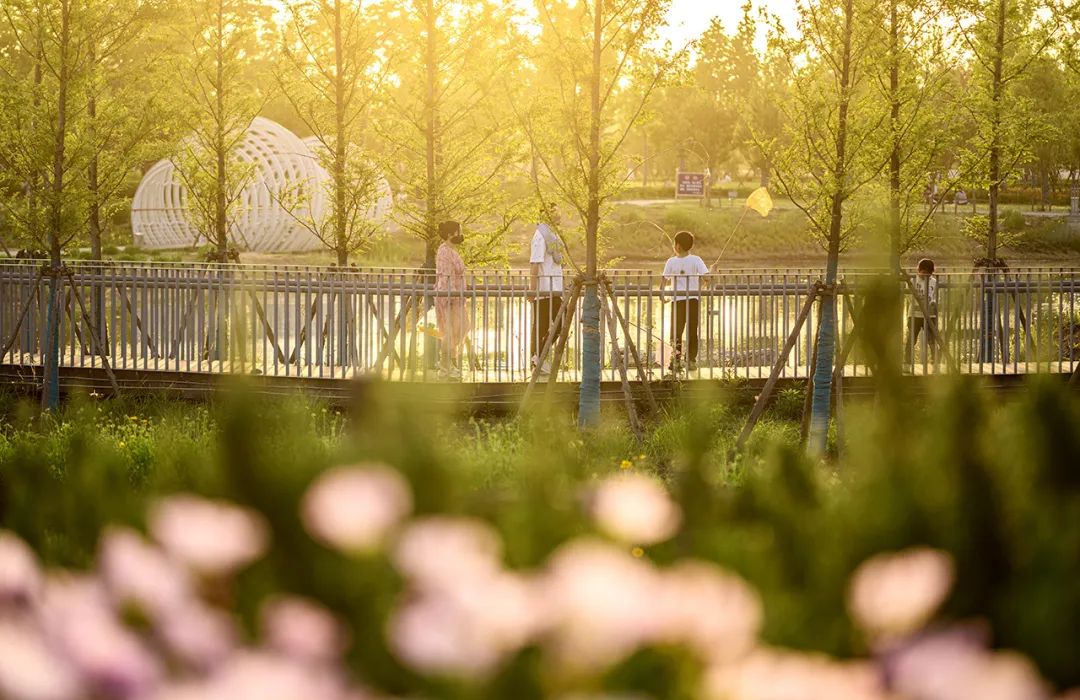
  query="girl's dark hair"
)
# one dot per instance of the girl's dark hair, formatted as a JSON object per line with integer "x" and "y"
{"x": 926, "y": 265}
{"x": 684, "y": 239}
{"x": 448, "y": 229}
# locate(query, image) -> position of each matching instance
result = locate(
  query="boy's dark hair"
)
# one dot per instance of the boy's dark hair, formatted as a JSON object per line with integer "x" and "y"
{"x": 926, "y": 265}
{"x": 684, "y": 239}
{"x": 448, "y": 229}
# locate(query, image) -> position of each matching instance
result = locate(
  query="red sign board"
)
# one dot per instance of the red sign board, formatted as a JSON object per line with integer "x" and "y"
{"x": 690, "y": 185}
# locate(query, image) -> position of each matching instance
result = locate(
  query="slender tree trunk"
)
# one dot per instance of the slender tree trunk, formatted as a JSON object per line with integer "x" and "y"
{"x": 221, "y": 226}
{"x": 995, "y": 131}
{"x": 819, "y": 415}
{"x": 50, "y": 395}
{"x": 433, "y": 200}
{"x": 895, "y": 224}
{"x": 341, "y": 230}
{"x": 589, "y": 398}
{"x": 93, "y": 186}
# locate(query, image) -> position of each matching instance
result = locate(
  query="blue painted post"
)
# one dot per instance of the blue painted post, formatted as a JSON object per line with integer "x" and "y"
{"x": 589, "y": 395}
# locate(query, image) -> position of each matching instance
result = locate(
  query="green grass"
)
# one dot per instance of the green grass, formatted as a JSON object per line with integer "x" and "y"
{"x": 637, "y": 236}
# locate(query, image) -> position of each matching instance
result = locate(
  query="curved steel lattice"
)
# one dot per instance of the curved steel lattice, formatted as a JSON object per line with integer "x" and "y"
{"x": 283, "y": 162}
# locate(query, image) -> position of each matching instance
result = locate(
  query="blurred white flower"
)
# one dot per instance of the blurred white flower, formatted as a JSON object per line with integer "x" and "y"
{"x": 302, "y": 629}
{"x": 79, "y": 621}
{"x": 20, "y": 573}
{"x": 29, "y": 670}
{"x": 951, "y": 665}
{"x": 635, "y": 509}
{"x": 441, "y": 551}
{"x": 355, "y": 508}
{"x": 895, "y": 594}
{"x": 213, "y": 538}
{"x": 601, "y": 604}
{"x": 713, "y": 612}
{"x": 199, "y": 636}
{"x": 768, "y": 674}
{"x": 136, "y": 572}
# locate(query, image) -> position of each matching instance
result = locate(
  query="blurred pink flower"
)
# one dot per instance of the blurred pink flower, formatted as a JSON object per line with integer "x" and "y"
{"x": 79, "y": 621}
{"x": 197, "y": 635}
{"x": 265, "y": 676}
{"x": 433, "y": 635}
{"x": 465, "y": 630}
{"x": 635, "y": 509}
{"x": 600, "y": 603}
{"x": 711, "y": 611}
{"x": 951, "y": 665}
{"x": 20, "y": 573}
{"x": 213, "y": 538}
{"x": 895, "y": 594}
{"x": 769, "y": 674}
{"x": 29, "y": 670}
{"x": 302, "y": 629}
{"x": 355, "y": 508}
{"x": 442, "y": 551}
{"x": 136, "y": 572}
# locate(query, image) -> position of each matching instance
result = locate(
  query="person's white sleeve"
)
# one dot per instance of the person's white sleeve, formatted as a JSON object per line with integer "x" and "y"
{"x": 703, "y": 269}
{"x": 667, "y": 269}
{"x": 538, "y": 248}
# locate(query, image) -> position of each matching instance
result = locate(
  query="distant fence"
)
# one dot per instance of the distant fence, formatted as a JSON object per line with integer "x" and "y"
{"x": 330, "y": 322}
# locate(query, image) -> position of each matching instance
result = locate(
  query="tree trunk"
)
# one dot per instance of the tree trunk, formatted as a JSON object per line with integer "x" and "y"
{"x": 826, "y": 340}
{"x": 995, "y": 133}
{"x": 433, "y": 203}
{"x": 895, "y": 232}
{"x": 589, "y": 396}
{"x": 50, "y": 395}
{"x": 97, "y": 296}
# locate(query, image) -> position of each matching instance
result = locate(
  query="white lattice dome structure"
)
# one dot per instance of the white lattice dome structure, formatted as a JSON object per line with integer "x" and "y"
{"x": 282, "y": 161}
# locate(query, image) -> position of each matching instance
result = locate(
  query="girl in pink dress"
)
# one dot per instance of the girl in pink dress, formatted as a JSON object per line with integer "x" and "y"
{"x": 450, "y": 313}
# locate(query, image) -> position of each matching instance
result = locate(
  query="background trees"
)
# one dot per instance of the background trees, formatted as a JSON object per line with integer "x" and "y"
{"x": 334, "y": 62}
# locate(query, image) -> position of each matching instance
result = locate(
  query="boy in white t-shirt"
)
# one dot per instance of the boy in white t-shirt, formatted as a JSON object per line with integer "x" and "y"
{"x": 683, "y": 271}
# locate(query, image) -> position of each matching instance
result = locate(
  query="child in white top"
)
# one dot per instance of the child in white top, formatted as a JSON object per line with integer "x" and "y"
{"x": 926, "y": 288}
{"x": 684, "y": 270}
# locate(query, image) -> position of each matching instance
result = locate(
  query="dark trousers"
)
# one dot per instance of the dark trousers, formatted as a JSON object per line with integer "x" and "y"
{"x": 915, "y": 327}
{"x": 545, "y": 309}
{"x": 686, "y": 314}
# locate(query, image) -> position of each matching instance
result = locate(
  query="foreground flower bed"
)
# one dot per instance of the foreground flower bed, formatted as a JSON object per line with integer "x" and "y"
{"x": 933, "y": 560}
{"x": 153, "y": 620}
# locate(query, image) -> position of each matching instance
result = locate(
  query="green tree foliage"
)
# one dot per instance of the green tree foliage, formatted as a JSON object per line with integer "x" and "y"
{"x": 1006, "y": 39}
{"x": 219, "y": 96}
{"x": 587, "y": 55}
{"x": 333, "y": 71}
{"x": 828, "y": 151}
{"x": 446, "y": 120}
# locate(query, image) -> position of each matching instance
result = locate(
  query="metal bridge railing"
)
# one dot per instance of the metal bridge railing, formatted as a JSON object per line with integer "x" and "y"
{"x": 311, "y": 321}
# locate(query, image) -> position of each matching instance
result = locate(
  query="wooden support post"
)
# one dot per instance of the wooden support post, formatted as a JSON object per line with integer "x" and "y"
{"x": 642, "y": 374}
{"x": 564, "y": 336}
{"x": 388, "y": 346}
{"x": 138, "y": 324}
{"x": 22, "y": 315}
{"x": 774, "y": 375}
{"x": 260, "y": 312}
{"x": 628, "y": 395}
{"x": 94, "y": 338}
{"x": 558, "y": 329}
{"x": 302, "y": 338}
{"x": 383, "y": 332}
